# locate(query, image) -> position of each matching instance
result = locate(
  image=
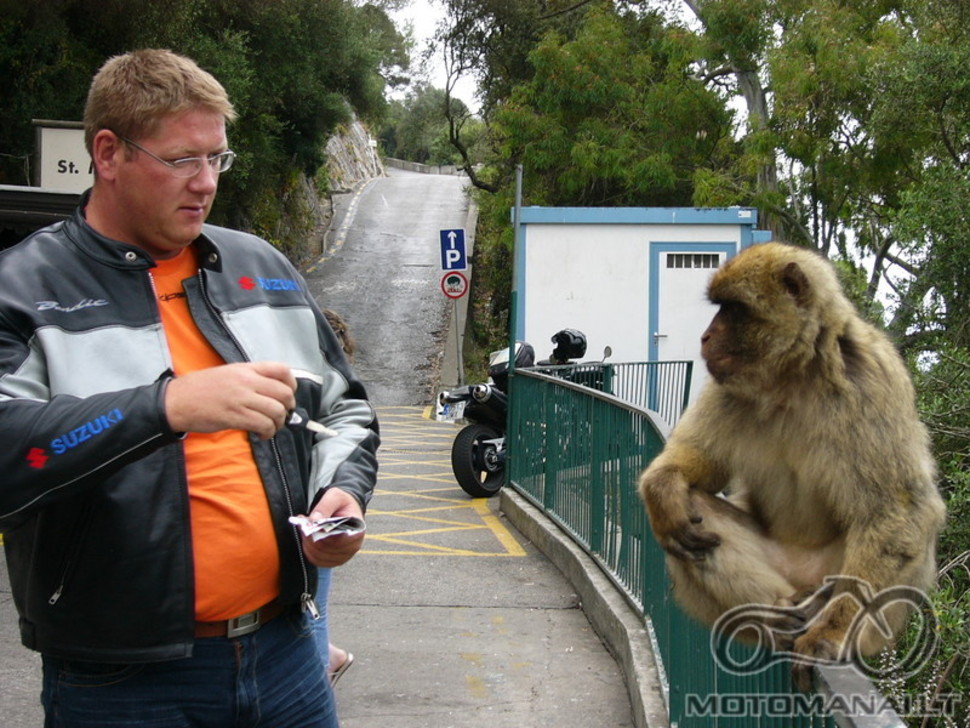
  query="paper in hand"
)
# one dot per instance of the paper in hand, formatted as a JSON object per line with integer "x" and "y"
{"x": 318, "y": 530}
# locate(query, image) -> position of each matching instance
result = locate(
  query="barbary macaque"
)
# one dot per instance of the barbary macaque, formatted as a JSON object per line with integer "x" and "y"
{"x": 803, "y": 457}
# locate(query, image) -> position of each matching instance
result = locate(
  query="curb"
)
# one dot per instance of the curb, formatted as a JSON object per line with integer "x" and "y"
{"x": 620, "y": 628}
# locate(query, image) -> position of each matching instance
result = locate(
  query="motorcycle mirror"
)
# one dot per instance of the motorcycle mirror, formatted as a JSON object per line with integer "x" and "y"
{"x": 607, "y": 352}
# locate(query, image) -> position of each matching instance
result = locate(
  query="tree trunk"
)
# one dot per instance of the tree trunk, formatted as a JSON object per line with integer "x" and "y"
{"x": 756, "y": 103}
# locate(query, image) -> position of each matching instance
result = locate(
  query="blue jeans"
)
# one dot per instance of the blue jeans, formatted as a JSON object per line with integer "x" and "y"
{"x": 321, "y": 627}
{"x": 271, "y": 677}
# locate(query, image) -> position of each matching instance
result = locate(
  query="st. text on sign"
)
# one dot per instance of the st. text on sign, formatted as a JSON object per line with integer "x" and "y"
{"x": 64, "y": 163}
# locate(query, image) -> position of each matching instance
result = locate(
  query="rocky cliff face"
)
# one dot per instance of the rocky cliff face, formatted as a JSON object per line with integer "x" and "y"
{"x": 352, "y": 158}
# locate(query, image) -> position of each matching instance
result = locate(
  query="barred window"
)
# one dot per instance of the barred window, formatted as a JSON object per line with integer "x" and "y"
{"x": 693, "y": 260}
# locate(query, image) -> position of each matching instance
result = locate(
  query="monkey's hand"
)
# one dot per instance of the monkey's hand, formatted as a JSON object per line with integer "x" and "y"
{"x": 676, "y": 515}
{"x": 823, "y": 639}
{"x": 678, "y": 505}
{"x": 687, "y": 540}
{"x": 810, "y": 650}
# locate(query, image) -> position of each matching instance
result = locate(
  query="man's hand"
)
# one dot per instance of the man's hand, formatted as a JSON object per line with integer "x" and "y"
{"x": 253, "y": 396}
{"x": 338, "y": 549}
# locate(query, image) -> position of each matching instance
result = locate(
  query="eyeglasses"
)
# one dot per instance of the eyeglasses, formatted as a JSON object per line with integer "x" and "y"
{"x": 190, "y": 166}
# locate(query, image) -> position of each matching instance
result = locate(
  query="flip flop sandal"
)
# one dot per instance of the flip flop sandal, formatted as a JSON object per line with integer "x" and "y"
{"x": 335, "y": 675}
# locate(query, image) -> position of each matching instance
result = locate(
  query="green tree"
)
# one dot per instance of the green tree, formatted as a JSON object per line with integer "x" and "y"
{"x": 293, "y": 68}
{"x": 417, "y": 129}
{"x": 612, "y": 117}
{"x": 611, "y": 114}
{"x": 490, "y": 40}
{"x": 864, "y": 117}
{"x": 922, "y": 99}
{"x": 45, "y": 75}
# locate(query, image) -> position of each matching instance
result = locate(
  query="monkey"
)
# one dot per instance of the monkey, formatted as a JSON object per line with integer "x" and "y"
{"x": 802, "y": 458}
{"x": 342, "y": 330}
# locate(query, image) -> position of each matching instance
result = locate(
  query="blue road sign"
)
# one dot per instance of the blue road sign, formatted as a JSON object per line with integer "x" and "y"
{"x": 453, "y": 249}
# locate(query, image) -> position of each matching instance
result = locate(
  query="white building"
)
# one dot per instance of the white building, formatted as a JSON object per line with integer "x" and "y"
{"x": 633, "y": 279}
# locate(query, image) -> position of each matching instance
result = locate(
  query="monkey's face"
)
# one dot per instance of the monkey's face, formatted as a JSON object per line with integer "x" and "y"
{"x": 723, "y": 343}
{"x": 759, "y": 334}
{"x": 738, "y": 344}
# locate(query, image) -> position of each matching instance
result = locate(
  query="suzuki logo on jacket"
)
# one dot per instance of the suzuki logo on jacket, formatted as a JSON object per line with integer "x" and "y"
{"x": 37, "y": 457}
{"x": 268, "y": 284}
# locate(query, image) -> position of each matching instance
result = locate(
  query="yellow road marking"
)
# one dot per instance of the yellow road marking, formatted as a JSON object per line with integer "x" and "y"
{"x": 435, "y": 521}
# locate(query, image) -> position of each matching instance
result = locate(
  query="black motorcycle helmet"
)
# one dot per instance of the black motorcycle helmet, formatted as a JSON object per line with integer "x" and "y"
{"x": 570, "y": 344}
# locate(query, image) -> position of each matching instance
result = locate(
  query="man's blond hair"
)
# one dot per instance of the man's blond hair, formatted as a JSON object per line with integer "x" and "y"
{"x": 133, "y": 92}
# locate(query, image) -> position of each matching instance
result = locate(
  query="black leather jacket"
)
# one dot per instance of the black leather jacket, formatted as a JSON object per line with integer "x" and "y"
{"x": 93, "y": 497}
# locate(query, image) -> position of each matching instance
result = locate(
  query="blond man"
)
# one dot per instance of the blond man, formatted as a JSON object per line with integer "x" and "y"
{"x": 150, "y": 366}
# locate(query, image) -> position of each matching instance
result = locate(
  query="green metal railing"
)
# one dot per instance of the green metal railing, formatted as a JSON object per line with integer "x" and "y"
{"x": 660, "y": 386}
{"x": 576, "y": 453}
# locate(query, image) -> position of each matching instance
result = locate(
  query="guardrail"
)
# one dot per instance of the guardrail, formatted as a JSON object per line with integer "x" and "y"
{"x": 448, "y": 169}
{"x": 576, "y": 453}
{"x": 659, "y": 386}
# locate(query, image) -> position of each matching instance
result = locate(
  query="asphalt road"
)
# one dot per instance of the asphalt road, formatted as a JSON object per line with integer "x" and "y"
{"x": 382, "y": 273}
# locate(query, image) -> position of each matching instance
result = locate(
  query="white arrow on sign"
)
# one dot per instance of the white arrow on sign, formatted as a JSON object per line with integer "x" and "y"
{"x": 452, "y": 256}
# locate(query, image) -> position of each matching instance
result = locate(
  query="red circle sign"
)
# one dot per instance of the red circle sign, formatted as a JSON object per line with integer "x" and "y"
{"x": 454, "y": 284}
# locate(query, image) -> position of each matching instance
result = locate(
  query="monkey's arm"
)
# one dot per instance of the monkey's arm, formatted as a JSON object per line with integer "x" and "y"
{"x": 666, "y": 488}
{"x": 887, "y": 543}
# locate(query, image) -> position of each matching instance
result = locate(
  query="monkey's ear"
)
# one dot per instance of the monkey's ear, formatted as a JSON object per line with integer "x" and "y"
{"x": 795, "y": 282}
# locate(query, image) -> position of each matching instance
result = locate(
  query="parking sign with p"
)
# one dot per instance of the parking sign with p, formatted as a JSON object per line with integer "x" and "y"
{"x": 453, "y": 249}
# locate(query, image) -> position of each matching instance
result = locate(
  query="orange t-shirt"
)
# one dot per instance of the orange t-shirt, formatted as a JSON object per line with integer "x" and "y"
{"x": 234, "y": 545}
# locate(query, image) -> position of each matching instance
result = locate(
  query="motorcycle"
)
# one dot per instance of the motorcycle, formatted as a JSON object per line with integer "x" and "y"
{"x": 478, "y": 452}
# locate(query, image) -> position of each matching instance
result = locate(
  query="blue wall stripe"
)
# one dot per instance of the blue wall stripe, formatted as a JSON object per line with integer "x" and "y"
{"x": 641, "y": 215}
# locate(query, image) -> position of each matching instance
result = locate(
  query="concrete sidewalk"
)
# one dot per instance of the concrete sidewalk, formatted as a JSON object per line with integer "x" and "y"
{"x": 454, "y": 616}
{"x": 19, "y": 668}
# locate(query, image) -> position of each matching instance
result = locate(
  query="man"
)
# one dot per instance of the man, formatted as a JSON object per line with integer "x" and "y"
{"x": 149, "y": 366}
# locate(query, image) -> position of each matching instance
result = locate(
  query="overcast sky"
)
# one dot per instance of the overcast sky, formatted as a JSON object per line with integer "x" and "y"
{"x": 424, "y": 16}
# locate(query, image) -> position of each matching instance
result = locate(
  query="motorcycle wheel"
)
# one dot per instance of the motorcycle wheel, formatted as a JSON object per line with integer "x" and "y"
{"x": 478, "y": 468}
